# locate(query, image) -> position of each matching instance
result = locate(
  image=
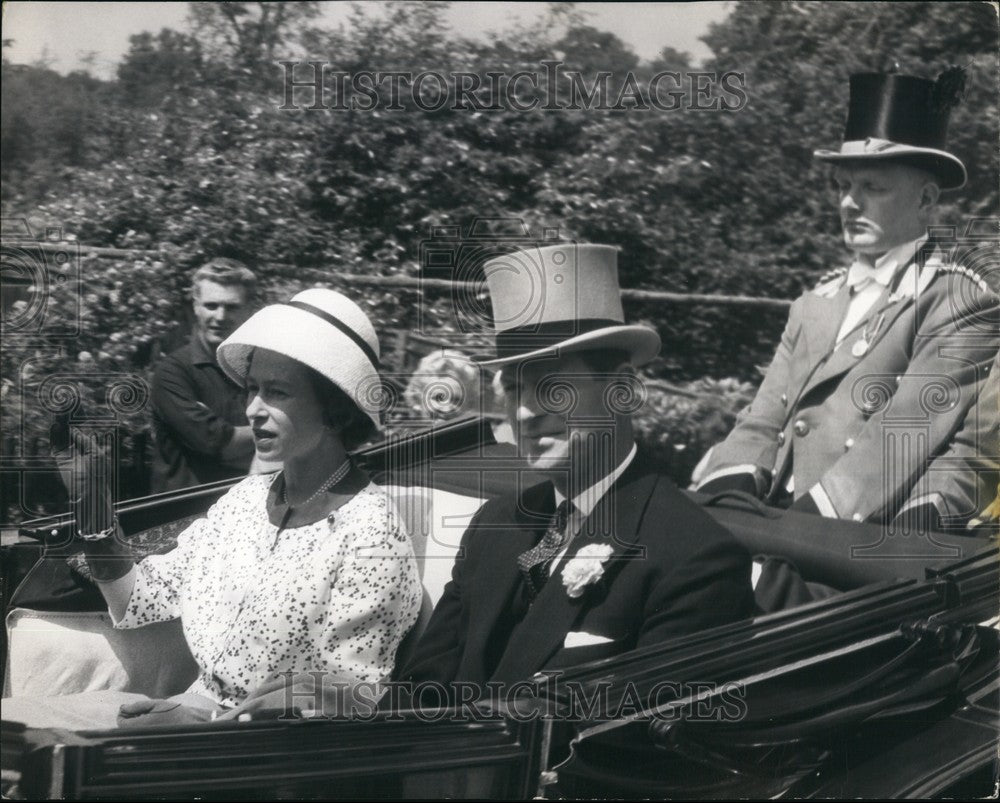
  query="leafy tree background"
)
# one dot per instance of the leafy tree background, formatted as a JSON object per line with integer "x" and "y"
{"x": 186, "y": 153}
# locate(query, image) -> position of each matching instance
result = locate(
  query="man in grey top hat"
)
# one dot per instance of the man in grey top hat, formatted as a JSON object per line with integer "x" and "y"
{"x": 879, "y": 364}
{"x": 605, "y": 556}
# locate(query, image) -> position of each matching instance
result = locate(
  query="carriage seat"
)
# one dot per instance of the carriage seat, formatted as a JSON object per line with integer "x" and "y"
{"x": 58, "y": 652}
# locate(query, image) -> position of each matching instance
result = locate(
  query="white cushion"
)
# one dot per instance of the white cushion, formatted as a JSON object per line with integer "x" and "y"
{"x": 436, "y": 521}
{"x": 55, "y": 653}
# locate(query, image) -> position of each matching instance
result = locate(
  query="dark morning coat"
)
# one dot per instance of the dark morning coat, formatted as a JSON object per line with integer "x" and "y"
{"x": 673, "y": 571}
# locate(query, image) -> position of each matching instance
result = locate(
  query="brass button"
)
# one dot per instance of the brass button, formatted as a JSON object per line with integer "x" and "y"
{"x": 848, "y": 444}
{"x": 801, "y": 428}
{"x": 784, "y": 399}
{"x": 857, "y": 517}
{"x": 899, "y": 380}
{"x": 781, "y": 439}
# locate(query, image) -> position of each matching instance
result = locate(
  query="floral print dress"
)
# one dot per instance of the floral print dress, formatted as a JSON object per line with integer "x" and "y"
{"x": 337, "y": 595}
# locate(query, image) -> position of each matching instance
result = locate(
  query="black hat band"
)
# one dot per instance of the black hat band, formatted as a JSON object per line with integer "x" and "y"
{"x": 524, "y": 339}
{"x": 359, "y": 341}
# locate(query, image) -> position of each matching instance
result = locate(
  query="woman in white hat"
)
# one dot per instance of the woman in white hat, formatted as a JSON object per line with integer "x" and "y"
{"x": 306, "y": 570}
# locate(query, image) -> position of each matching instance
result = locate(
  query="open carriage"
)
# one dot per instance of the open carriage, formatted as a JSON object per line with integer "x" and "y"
{"x": 886, "y": 689}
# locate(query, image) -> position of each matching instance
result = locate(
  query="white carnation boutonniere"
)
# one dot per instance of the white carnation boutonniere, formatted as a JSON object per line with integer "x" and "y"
{"x": 585, "y": 568}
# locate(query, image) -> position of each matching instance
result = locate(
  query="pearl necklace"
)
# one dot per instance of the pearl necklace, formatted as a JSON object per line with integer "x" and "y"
{"x": 332, "y": 480}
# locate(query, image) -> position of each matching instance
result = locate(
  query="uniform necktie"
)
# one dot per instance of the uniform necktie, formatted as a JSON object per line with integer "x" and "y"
{"x": 860, "y": 275}
{"x": 533, "y": 562}
{"x": 866, "y": 284}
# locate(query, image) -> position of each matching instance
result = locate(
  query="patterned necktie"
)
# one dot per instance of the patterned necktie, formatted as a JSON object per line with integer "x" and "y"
{"x": 533, "y": 562}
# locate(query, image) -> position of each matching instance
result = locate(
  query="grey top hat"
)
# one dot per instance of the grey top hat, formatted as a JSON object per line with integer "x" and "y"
{"x": 562, "y": 298}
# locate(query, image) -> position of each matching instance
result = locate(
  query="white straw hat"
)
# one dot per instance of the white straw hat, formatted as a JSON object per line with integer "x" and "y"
{"x": 322, "y": 329}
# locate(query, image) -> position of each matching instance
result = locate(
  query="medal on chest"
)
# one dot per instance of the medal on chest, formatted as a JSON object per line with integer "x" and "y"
{"x": 860, "y": 348}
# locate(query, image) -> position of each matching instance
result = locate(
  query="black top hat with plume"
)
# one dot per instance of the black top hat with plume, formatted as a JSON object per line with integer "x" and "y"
{"x": 903, "y": 118}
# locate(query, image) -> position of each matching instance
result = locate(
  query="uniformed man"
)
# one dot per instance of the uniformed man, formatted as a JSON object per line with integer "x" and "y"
{"x": 879, "y": 365}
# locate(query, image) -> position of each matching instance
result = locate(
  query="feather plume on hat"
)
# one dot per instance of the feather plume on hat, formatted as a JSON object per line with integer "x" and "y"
{"x": 949, "y": 89}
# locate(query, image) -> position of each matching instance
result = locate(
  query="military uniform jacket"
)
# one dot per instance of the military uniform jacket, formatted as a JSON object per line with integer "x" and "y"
{"x": 859, "y": 425}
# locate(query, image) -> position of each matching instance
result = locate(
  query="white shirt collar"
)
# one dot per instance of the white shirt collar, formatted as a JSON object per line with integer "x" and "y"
{"x": 863, "y": 271}
{"x": 587, "y": 500}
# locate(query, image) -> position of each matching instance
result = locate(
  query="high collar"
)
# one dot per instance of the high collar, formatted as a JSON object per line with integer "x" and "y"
{"x": 863, "y": 270}
{"x": 587, "y": 499}
{"x": 201, "y": 352}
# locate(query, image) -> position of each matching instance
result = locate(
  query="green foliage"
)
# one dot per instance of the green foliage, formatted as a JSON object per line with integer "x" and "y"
{"x": 156, "y": 67}
{"x": 188, "y": 152}
{"x": 250, "y": 33}
{"x": 678, "y": 425}
{"x": 45, "y": 124}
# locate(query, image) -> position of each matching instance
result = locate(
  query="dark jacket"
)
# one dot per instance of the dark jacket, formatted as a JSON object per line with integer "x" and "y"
{"x": 673, "y": 571}
{"x": 195, "y": 409}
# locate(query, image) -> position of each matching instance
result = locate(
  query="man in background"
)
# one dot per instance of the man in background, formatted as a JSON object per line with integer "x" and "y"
{"x": 199, "y": 415}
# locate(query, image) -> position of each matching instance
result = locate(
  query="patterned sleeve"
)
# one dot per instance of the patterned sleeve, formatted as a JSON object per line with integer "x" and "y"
{"x": 159, "y": 579}
{"x": 375, "y": 598}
